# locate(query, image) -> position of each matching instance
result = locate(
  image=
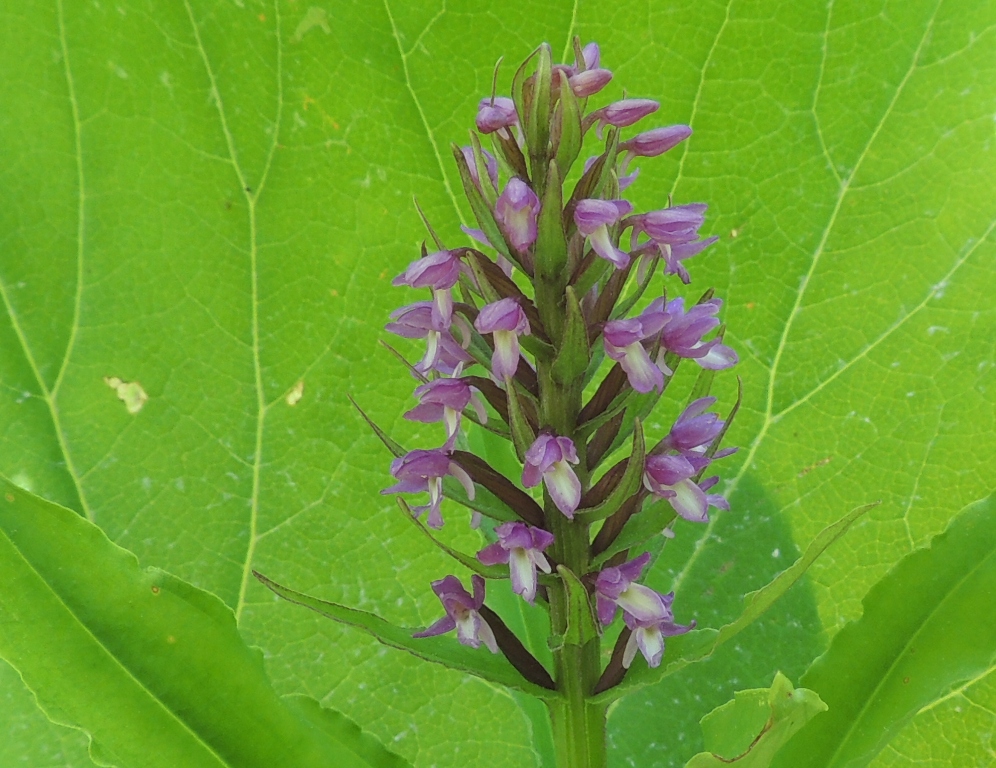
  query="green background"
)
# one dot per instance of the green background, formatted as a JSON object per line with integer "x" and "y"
{"x": 210, "y": 199}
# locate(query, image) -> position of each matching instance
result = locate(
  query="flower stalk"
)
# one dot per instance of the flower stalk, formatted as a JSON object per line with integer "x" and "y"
{"x": 554, "y": 361}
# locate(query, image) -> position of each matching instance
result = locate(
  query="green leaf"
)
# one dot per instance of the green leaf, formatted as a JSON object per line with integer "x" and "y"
{"x": 522, "y": 433}
{"x": 927, "y": 628}
{"x": 700, "y": 644}
{"x": 439, "y": 650}
{"x": 581, "y": 623}
{"x": 152, "y": 669}
{"x": 750, "y": 729}
{"x": 575, "y": 352}
{"x": 628, "y": 484}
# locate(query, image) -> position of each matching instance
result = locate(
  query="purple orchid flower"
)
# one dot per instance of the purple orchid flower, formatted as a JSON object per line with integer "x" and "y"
{"x": 506, "y": 321}
{"x": 669, "y": 476}
{"x": 521, "y": 546}
{"x": 648, "y": 636}
{"x": 593, "y": 218}
{"x": 624, "y": 113}
{"x": 439, "y": 271}
{"x": 683, "y": 332}
{"x": 490, "y": 162}
{"x": 589, "y": 82}
{"x": 674, "y": 234}
{"x": 462, "y": 613}
{"x": 516, "y": 210}
{"x": 694, "y": 429}
{"x": 421, "y": 471}
{"x": 655, "y": 142}
{"x": 623, "y": 340}
{"x": 496, "y": 114}
{"x": 445, "y": 400}
{"x": 548, "y": 460}
{"x": 615, "y": 587}
{"x": 443, "y": 353}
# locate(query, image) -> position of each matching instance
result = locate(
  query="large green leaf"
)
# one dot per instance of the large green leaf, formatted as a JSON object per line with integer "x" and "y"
{"x": 927, "y": 628}
{"x": 150, "y": 668}
{"x": 843, "y": 143}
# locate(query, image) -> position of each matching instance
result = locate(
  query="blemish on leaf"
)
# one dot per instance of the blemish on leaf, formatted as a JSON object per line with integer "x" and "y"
{"x": 22, "y": 480}
{"x": 155, "y": 590}
{"x": 314, "y": 17}
{"x": 170, "y": 639}
{"x": 9, "y": 497}
{"x": 128, "y": 392}
{"x": 734, "y": 232}
{"x": 295, "y": 394}
{"x": 822, "y": 462}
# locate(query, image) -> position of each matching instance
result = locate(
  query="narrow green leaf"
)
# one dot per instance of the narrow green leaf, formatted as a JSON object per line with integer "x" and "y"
{"x": 484, "y": 501}
{"x": 628, "y": 485}
{"x": 758, "y": 602}
{"x": 575, "y": 353}
{"x": 481, "y": 163}
{"x": 700, "y": 644}
{"x": 747, "y": 731}
{"x": 522, "y": 433}
{"x": 537, "y": 127}
{"x": 391, "y": 444}
{"x": 569, "y": 146}
{"x": 581, "y": 624}
{"x": 482, "y": 211}
{"x": 439, "y": 650}
{"x": 926, "y": 628}
{"x": 641, "y": 528}
{"x": 151, "y": 668}
{"x": 467, "y": 561}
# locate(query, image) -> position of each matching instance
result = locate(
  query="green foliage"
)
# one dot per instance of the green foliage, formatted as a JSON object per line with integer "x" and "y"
{"x": 747, "y": 731}
{"x": 927, "y": 628}
{"x": 841, "y": 147}
{"x": 151, "y": 669}
{"x": 439, "y": 650}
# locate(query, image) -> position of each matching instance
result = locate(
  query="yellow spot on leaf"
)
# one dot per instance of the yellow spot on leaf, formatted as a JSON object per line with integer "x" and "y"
{"x": 128, "y": 392}
{"x": 314, "y": 17}
{"x": 295, "y": 394}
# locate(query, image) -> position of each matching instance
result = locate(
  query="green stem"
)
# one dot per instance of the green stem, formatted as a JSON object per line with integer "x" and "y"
{"x": 578, "y": 725}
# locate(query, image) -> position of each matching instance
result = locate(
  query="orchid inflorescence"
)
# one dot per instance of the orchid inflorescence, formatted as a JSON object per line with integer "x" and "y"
{"x": 532, "y": 334}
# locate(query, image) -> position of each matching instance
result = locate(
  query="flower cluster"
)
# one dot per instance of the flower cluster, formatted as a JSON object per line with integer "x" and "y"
{"x": 516, "y": 330}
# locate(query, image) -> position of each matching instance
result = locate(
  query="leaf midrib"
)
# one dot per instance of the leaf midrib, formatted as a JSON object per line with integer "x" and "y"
{"x": 251, "y": 194}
